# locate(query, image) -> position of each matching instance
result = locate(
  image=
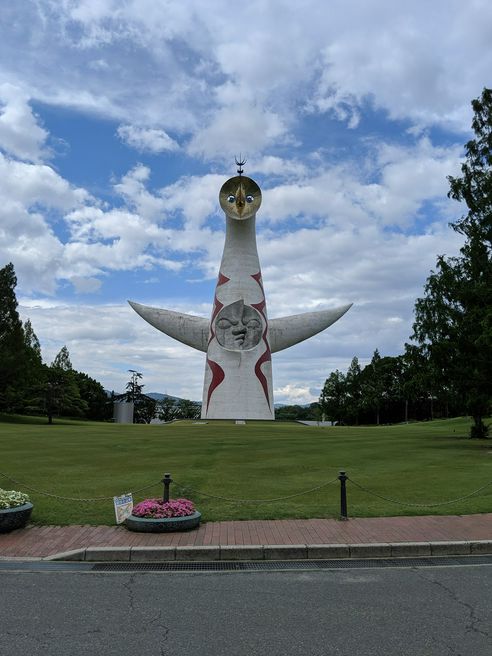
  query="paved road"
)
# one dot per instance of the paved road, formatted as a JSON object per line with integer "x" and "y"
{"x": 357, "y": 612}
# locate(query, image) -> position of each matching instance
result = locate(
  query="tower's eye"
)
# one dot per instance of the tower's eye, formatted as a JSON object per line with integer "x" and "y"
{"x": 231, "y": 199}
{"x": 249, "y": 199}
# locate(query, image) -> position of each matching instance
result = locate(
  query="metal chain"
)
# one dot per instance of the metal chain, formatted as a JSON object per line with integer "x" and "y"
{"x": 418, "y": 505}
{"x": 83, "y": 500}
{"x": 290, "y": 496}
{"x": 231, "y": 500}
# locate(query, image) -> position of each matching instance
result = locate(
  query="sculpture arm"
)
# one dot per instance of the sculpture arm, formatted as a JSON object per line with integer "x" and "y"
{"x": 186, "y": 328}
{"x": 287, "y": 331}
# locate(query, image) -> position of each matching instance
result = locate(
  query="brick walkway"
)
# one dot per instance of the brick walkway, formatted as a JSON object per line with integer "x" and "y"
{"x": 42, "y": 541}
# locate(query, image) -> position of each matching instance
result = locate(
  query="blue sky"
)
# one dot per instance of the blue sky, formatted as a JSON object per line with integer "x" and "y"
{"x": 119, "y": 122}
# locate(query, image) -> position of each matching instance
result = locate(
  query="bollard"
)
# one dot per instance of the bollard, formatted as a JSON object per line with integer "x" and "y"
{"x": 343, "y": 495}
{"x": 167, "y": 480}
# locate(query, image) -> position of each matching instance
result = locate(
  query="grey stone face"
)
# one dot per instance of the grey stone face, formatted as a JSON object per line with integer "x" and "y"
{"x": 238, "y": 327}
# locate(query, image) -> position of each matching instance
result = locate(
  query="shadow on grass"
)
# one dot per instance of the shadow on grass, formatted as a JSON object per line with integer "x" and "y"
{"x": 6, "y": 418}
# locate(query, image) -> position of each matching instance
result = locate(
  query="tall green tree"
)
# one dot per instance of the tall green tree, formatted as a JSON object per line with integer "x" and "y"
{"x": 99, "y": 405}
{"x": 354, "y": 391}
{"x": 166, "y": 409}
{"x": 134, "y": 387}
{"x": 62, "y": 393}
{"x": 187, "y": 409}
{"x": 453, "y": 321}
{"x": 14, "y": 351}
{"x": 62, "y": 360}
{"x": 373, "y": 385}
{"x": 333, "y": 398}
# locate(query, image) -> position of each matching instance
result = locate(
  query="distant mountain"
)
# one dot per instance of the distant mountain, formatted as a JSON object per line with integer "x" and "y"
{"x": 158, "y": 396}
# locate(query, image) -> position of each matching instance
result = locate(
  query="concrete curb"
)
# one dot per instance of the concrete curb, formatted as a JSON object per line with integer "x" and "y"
{"x": 275, "y": 552}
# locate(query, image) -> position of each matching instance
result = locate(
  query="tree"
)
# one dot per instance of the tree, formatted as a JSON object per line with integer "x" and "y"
{"x": 62, "y": 360}
{"x": 32, "y": 345}
{"x": 144, "y": 410}
{"x": 333, "y": 398}
{"x": 373, "y": 385}
{"x": 311, "y": 412}
{"x": 188, "y": 409}
{"x": 13, "y": 359}
{"x": 62, "y": 393}
{"x": 144, "y": 407}
{"x": 453, "y": 321}
{"x": 166, "y": 409}
{"x": 354, "y": 391}
{"x": 99, "y": 406}
{"x": 133, "y": 387}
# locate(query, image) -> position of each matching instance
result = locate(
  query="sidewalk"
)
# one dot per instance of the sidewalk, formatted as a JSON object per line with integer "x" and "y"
{"x": 296, "y": 538}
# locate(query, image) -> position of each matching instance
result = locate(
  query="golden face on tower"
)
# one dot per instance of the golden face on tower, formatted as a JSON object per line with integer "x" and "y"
{"x": 240, "y": 197}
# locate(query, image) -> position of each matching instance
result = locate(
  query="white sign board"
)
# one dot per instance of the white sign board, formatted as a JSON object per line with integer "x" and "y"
{"x": 123, "y": 507}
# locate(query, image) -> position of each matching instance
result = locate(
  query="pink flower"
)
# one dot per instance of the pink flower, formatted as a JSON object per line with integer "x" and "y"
{"x": 157, "y": 509}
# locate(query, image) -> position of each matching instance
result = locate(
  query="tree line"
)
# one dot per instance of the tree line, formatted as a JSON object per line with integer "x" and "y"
{"x": 147, "y": 408}
{"x": 446, "y": 369}
{"x": 387, "y": 390}
{"x": 30, "y": 386}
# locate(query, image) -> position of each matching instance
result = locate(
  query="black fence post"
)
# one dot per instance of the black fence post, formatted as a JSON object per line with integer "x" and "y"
{"x": 167, "y": 480}
{"x": 343, "y": 495}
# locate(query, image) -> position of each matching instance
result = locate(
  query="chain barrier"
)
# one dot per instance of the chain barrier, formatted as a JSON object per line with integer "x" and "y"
{"x": 257, "y": 501}
{"x": 418, "y": 505}
{"x": 80, "y": 499}
{"x": 230, "y": 500}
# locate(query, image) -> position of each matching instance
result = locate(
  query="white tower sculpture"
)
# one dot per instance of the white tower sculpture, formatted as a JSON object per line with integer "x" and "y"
{"x": 239, "y": 339}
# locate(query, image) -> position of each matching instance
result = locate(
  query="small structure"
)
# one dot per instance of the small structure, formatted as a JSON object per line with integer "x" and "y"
{"x": 123, "y": 412}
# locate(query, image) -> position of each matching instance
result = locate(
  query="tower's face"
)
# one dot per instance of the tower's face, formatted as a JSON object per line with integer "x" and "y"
{"x": 238, "y": 327}
{"x": 240, "y": 197}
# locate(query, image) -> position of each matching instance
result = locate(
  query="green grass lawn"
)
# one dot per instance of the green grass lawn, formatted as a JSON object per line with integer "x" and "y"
{"x": 422, "y": 463}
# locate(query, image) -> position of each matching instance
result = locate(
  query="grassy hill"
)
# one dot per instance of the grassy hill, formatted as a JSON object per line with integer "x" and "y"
{"x": 421, "y": 463}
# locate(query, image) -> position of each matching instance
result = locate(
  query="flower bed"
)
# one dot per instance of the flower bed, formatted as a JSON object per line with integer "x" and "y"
{"x": 11, "y": 499}
{"x": 158, "y": 509}
{"x": 158, "y": 516}
{"x": 15, "y": 510}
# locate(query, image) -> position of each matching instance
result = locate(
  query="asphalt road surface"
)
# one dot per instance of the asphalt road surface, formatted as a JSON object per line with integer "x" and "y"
{"x": 357, "y": 612}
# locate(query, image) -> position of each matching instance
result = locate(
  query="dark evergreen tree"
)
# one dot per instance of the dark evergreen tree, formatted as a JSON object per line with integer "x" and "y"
{"x": 62, "y": 394}
{"x": 62, "y": 360}
{"x": 333, "y": 399}
{"x": 311, "y": 412}
{"x": 133, "y": 387}
{"x": 99, "y": 405}
{"x": 354, "y": 391}
{"x": 373, "y": 385}
{"x": 144, "y": 410}
{"x": 188, "y": 409}
{"x": 166, "y": 409}
{"x": 14, "y": 353}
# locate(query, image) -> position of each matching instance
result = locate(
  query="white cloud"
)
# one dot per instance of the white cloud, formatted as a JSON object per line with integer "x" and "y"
{"x": 235, "y": 129}
{"x": 336, "y": 225}
{"x": 29, "y": 195}
{"x": 190, "y": 74}
{"x": 149, "y": 140}
{"x": 292, "y": 394}
{"x": 38, "y": 184}
{"x": 85, "y": 285}
{"x": 20, "y": 133}
{"x": 106, "y": 340}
